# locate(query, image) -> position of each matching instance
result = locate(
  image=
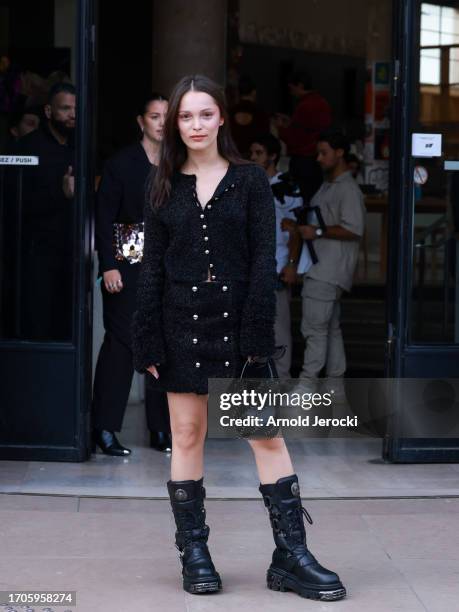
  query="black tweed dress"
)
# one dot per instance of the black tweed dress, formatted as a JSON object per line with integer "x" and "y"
{"x": 197, "y": 329}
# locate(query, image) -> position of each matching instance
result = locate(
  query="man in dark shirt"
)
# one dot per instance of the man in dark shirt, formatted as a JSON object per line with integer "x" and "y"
{"x": 300, "y": 133}
{"x": 48, "y": 221}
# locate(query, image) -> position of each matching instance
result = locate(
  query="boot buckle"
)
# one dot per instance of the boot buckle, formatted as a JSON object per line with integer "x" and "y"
{"x": 181, "y": 495}
{"x": 268, "y": 502}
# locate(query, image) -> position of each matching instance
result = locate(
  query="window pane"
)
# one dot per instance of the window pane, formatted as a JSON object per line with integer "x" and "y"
{"x": 429, "y": 38}
{"x": 448, "y": 21}
{"x": 449, "y": 25}
{"x": 449, "y": 39}
{"x": 430, "y": 17}
{"x": 430, "y": 66}
{"x": 454, "y": 65}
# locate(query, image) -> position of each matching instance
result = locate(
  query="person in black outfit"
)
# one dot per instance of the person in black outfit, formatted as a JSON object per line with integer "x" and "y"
{"x": 48, "y": 221}
{"x": 247, "y": 119}
{"x": 206, "y": 305}
{"x": 121, "y": 200}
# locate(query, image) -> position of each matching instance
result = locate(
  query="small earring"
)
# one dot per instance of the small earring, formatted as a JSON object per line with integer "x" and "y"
{"x": 142, "y": 129}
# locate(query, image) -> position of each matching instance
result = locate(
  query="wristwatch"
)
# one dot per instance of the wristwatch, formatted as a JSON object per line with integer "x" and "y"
{"x": 319, "y": 232}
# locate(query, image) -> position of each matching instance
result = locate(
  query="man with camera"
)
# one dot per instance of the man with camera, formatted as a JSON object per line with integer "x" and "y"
{"x": 340, "y": 208}
{"x": 291, "y": 257}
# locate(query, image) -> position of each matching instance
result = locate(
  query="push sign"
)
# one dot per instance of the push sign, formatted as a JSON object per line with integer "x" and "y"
{"x": 18, "y": 160}
{"x": 426, "y": 145}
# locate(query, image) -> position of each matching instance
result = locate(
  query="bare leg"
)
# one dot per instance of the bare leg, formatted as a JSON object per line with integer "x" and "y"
{"x": 188, "y": 414}
{"x": 272, "y": 459}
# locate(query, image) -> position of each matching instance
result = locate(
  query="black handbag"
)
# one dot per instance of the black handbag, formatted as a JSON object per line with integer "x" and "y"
{"x": 262, "y": 367}
{"x": 259, "y": 370}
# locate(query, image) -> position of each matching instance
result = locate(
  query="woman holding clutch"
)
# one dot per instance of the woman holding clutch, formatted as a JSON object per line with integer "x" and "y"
{"x": 119, "y": 241}
{"x": 207, "y": 304}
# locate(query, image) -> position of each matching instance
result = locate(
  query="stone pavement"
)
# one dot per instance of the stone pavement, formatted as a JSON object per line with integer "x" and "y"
{"x": 118, "y": 554}
{"x": 104, "y": 528}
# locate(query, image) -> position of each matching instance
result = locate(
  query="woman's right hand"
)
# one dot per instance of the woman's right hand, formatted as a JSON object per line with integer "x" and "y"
{"x": 152, "y": 369}
{"x": 112, "y": 281}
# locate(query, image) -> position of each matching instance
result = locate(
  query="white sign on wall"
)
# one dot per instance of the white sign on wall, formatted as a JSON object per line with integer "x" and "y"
{"x": 18, "y": 160}
{"x": 426, "y": 145}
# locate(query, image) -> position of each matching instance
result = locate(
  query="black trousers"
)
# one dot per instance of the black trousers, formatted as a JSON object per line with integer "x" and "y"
{"x": 114, "y": 369}
{"x": 308, "y": 174}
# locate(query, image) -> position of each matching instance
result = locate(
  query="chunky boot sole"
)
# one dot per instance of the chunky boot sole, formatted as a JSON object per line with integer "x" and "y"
{"x": 280, "y": 580}
{"x": 210, "y": 585}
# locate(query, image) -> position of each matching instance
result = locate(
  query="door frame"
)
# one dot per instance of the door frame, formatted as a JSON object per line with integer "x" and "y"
{"x": 403, "y": 359}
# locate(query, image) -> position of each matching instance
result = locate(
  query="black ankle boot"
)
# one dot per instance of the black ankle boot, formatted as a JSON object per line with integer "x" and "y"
{"x": 187, "y": 501}
{"x": 108, "y": 443}
{"x": 161, "y": 441}
{"x": 293, "y": 566}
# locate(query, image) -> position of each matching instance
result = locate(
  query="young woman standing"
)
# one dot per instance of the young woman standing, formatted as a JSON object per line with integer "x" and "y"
{"x": 121, "y": 201}
{"x": 206, "y": 303}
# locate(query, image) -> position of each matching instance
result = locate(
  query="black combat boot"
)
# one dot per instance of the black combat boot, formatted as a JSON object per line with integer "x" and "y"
{"x": 293, "y": 567}
{"x": 187, "y": 501}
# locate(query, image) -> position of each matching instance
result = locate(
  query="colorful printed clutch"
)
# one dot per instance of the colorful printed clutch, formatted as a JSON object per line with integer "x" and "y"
{"x": 128, "y": 242}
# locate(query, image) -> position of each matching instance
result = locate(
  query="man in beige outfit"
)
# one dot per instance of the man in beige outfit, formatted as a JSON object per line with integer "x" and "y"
{"x": 337, "y": 248}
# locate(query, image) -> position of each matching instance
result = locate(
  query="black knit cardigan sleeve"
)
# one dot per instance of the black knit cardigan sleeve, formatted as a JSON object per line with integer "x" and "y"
{"x": 257, "y": 325}
{"x": 147, "y": 325}
{"x": 108, "y": 204}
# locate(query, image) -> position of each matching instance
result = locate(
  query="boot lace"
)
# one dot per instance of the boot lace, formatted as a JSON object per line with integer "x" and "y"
{"x": 295, "y": 519}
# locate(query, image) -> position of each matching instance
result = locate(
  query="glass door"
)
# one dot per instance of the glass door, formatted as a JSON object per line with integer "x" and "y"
{"x": 434, "y": 314}
{"x": 423, "y": 312}
{"x": 46, "y": 195}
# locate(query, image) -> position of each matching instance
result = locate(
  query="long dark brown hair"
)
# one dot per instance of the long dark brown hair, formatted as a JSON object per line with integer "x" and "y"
{"x": 173, "y": 151}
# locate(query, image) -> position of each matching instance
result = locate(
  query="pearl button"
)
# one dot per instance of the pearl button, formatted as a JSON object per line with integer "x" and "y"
{"x": 197, "y": 364}
{"x": 211, "y": 265}
{"x": 195, "y": 340}
{"x": 226, "y": 363}
{"x": 207, "y": 251}
{"x": 216, "y": 198}
{"x": 225, "y": 339}
{"x": 225, "y": 314}
{"x": 224, "y": 288}
{"x": 206, "y": 238}
{"x": 195, "y": 317}
{"x": 201, "y": 216}
{"x": 213, "y": 277}
{"x": 204, "y": 227}
{"x": 232, "y": 186}
{"x": 194, "y": 288}
{"x": 209, "y": 207}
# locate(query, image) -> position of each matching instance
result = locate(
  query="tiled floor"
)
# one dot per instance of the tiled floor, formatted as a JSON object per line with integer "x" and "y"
{"x": 118, "y": 554}
{"x": 390, "y": 531}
